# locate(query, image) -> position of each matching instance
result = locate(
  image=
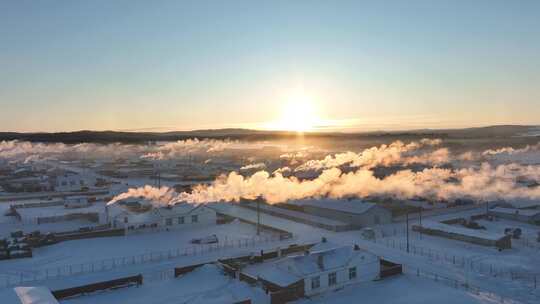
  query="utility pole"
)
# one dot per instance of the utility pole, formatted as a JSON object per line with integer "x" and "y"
{"x": 258, "y": 215}
{"x": 407, "y": 219}
{"x": 420, "y": 223}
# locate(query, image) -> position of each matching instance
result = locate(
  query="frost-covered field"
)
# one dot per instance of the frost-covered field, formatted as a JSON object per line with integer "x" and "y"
{"x": 404, "y": 289}
{"x": 409, "y": 288}
{"x": 101, "y": 254}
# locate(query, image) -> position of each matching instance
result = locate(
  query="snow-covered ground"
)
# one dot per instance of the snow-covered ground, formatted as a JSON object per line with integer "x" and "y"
{"x": 404, "y": 289}
{"x": 89, "y": 255}
{"x": 206, "y": 284}
{"x": 408, "y": 288}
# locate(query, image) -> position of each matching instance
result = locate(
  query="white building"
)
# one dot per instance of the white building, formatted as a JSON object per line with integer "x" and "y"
{"x": 322, "y": 269}
{"x": 79, "y": 201}
{"x": 73, "y": 182}
{"x": 181, "y": 215}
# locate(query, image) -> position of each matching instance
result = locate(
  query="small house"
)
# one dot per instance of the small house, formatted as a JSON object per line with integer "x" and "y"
{"x": 317, "y": 271}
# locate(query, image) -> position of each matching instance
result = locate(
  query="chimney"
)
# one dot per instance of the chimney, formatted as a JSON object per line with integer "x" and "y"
{"x": 320, "y": 261}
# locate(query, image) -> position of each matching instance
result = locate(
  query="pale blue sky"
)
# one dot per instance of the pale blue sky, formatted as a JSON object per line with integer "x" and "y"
{"x": 70, "y": 65}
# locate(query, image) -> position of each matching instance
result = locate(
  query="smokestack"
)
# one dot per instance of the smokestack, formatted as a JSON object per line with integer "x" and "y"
{"x": 320, "y": 261}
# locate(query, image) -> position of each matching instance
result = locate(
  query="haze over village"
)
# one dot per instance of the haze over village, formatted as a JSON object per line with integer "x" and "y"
{"x": 274, "y": 152}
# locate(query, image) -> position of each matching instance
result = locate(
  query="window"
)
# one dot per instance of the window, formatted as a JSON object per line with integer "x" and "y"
{"x": 332, "y": 279}
{"x": 181, "y": 220}
{"x": 315, "y": 282}
{"x": 352, "y": 273}
{"x": 194, "y": 218}
{"x": 168, "y": 221}
{"x": 377, "y": 219}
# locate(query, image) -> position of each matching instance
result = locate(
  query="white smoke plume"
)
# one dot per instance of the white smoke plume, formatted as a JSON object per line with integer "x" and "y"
{"x": 527, "y": 155}
{"x": 483, "y": 183}
{"x": 386, "y": 155}
{"x": 31, "y": 152}
{"x": 159, "y": 197}
{"x": 256, "y": 166}
{"x": 184, "y": 148}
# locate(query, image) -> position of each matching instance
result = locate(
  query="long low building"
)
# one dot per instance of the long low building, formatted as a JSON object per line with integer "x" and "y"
{"x": 300, "y": 217}
{"x": 531, "y": 216}
{"x": 478, "y": 237}
{"x": 59, "y": 213}
{"x": 357, "y": 213}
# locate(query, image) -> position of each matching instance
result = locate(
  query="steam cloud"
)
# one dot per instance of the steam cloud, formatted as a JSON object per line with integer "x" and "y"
{"x": 499, "y": 177}
{"x": 157, "y": 196}
{"x": 255, "y": 166}
{"x": 386, "y": 155}
{"x": 484, "y": 182}
{"x": 34, "y": 152}
{"x": 182, "y": 148}
{"x": 526, "y": 155}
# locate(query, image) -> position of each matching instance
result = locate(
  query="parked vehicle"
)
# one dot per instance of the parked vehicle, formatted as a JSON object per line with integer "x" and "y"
{"x": 514, "y": 232}
{"x": 212, "y": 239}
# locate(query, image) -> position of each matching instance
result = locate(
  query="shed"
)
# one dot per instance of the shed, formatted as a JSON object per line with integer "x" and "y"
{"x": 463, "y": 234}
{"x": 521, "y": 215}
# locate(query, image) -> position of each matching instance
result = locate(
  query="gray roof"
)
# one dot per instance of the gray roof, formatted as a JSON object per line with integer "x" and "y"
{"x": 525, "y": 212}
{"x": 349, "y": 206}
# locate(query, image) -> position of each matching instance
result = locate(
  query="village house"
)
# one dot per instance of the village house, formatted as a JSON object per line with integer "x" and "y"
{"x": 145, "y": 216}
{"x": 323, "y": 268}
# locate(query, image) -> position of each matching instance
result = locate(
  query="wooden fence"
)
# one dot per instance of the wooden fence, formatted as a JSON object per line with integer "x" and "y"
{"x": 89, "y": 288}
{"x": 390, "y": 269}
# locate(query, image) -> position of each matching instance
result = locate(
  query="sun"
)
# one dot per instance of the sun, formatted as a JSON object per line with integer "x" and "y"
{"x": 298, "y": 114}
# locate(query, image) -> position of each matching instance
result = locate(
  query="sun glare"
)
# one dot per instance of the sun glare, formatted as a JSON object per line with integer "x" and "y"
{"x": 298, "y": 114}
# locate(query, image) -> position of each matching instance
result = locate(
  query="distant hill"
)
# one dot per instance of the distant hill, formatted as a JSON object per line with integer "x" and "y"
{"x": 246, "y": 134}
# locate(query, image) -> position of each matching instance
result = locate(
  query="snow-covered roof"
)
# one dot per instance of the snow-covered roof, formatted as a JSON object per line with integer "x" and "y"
{"x": 462, "y": 230}
{"x": 178, "y": 209}
{"x": 154, "y": 214}
{"x": 525, "y": 212}
{"x": 291, "y": 269}
{"x": 524, "y": 203}
{"x": 300, "y": 215}
{"x": 76, "y": 197}
{"x": 323, "y": 246}
{"x": 349, "y": 206}
{"x": 35, "y": 295}
{"x": 30, "y": 213}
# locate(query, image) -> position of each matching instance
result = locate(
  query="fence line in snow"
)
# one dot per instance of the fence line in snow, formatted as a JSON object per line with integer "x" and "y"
{"x": 18, "y": 277}
{"x": 532, "y": 279}
{"x": 458, "y": 284}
